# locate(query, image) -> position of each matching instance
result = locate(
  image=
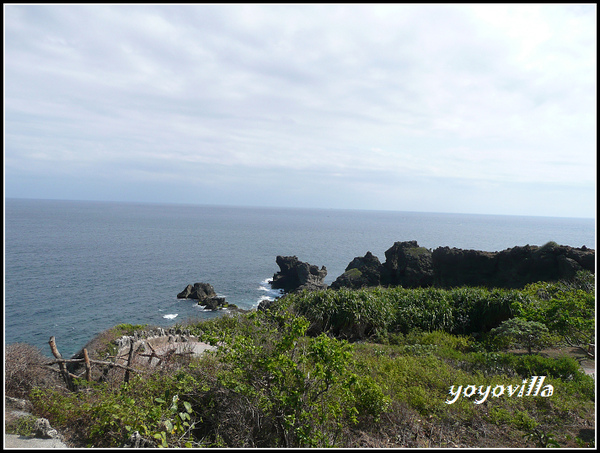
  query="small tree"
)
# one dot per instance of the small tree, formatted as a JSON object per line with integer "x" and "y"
{"x": 522, "y": 333}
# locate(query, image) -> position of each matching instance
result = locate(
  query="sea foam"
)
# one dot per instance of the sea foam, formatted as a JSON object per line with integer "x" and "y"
{"x": 271, "y": 294}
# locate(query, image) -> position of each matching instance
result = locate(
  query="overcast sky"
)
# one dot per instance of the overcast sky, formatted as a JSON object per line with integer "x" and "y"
{"x": 439, "y": 108}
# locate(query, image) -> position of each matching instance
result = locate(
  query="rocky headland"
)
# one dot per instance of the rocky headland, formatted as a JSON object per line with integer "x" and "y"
{"x": 296, "y": 275}
{"x": 411, "y": 266}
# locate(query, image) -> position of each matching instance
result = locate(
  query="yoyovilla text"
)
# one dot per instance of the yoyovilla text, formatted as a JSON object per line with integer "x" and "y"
{"x": 482, "y": 392}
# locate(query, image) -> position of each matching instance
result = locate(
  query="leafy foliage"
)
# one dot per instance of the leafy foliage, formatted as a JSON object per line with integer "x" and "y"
{"x": 372, "y": 312}
{"x": 566, "y": 308}
{"x": 302, "y": 388}
{"x": 522, "y": 333}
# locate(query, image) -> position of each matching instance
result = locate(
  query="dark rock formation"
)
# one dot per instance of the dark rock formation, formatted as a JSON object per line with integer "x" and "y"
{"x": 296, "y": 275}
{"x": 205, "y": 294}
{"x": 510, "y": 268}
{"x": 199, "y": 291}
{"x": 411, "y": 266}
{"x": 361, "y": 272}
{"x": 457, "y": 267}
{"x": 408, "y": 265}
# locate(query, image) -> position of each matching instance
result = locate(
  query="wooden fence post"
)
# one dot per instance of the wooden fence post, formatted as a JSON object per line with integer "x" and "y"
{"x": 88, "y": 366}
{"x": 61, "y": 364}
{"x": 129, "y": 360}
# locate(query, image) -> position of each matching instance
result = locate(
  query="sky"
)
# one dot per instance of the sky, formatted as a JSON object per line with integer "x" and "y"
{"x": 487, "y": 109}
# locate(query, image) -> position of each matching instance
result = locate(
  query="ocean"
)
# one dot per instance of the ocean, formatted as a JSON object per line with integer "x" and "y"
{"x": 76, "y": 268}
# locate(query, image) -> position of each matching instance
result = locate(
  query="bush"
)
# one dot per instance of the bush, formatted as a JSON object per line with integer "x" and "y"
{"x": 349, "y": 314}
{"x": 24, "y": 370}
{"x": 270, "y": 384}
{"x": 564, "y": 368}
{"x": 296, "y": 391}
{"x": 381, "y": 312}
{"x": 565, "y": 308}
{"x": 525, "y": 366}
{"x": 422, "y": 309}
{"x": 477, "y": 310}
{"x": 522, "y": 333}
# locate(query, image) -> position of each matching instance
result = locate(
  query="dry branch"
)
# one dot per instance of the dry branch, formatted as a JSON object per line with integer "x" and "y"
{"x": 96, "y": 362}
{"x": 61, "y": 364}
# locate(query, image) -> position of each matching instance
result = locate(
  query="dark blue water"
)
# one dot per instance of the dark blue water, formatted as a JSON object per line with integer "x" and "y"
{"x": 74, "y": 268}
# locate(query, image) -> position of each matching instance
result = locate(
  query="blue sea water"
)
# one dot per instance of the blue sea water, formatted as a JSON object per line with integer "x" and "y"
{"x": 76, "y": 268}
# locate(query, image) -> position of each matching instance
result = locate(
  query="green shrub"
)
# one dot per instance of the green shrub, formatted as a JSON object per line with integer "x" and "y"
{"x": 564, "y": 368}
{"x": 525, "y": 366}
{"x": 380, "y": 312}
{"x": 477, "y": 310}
{"x": 23, "y": 426}
{"x": 424, "y": 309}
{"x": 288, "y": 377}
{"x": 350, "y": 314}
{"x": 300, "y": 389}
{"x": 564, "y": 308}
{"x": 522, "y": 333}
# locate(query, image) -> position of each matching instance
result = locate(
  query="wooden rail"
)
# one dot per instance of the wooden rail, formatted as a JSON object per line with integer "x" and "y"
{"x": 107, "y": 365}
{"x": 68, "y": 377}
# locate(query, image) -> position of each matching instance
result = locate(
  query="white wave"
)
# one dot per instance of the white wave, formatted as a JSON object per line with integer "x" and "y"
{"x": 265, "y": 285}
{"x": 171, "y": 316}
{"x": 261, "y": 298}
{"x": 271, "y": 293}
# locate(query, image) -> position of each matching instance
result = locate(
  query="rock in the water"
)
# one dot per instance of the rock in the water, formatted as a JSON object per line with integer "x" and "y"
{"x": 214, "y": 303}
{"x": 296, "y": 275}
{"x": 199, "y": 291}
{"x": 205, "y": 294}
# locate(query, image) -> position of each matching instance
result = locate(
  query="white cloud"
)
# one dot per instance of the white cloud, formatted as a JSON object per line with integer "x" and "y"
{"x": 499, "y": 93}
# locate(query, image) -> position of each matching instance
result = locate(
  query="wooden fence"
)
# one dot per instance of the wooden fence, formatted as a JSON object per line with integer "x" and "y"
{"x": 69, "y": 377}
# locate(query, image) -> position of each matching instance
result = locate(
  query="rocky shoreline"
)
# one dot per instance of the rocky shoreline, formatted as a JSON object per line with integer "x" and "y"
{"x": 411, "y": 266}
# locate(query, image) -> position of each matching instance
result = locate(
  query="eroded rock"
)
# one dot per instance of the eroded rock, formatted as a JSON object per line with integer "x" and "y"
{"x": 296, "y": 275}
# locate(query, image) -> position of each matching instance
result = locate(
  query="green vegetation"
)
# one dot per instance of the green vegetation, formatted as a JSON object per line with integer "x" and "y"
{"x": 566, "y": 308}
{"x": 365, "y": 368}
{"x": 358, "y": 314}
{"x": 417, "y": 251}
{"x": 23, "y": 426}
{"x": 522, "y": 333}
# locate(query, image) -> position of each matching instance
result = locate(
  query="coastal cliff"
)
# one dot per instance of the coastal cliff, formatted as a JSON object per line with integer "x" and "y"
{"x": 411, "y": 266}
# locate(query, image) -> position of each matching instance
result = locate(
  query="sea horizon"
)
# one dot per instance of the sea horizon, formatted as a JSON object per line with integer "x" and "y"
{"x": 248, "y": 206}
